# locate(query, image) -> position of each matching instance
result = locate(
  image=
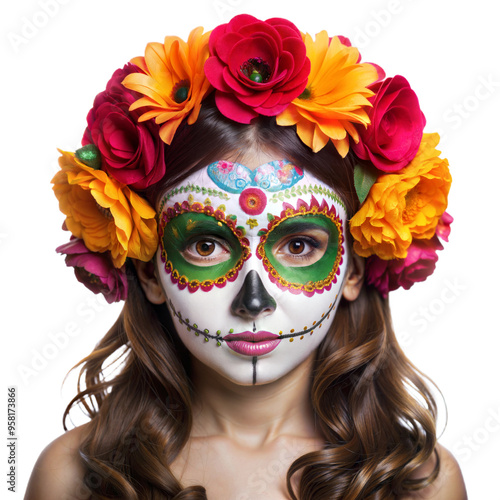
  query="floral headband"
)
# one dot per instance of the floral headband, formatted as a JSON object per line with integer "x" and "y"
{"x": 255, "y": 68}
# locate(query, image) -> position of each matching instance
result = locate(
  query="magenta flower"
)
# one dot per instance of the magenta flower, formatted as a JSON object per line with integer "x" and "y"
{"x": 132, "y": 152}
{"x": 443, "y": 227}
{"x": 389, "y": 275}
{"x": 95, "y": 270}
{"x": 257, "y": 67}
{"x": 392, "y": 139}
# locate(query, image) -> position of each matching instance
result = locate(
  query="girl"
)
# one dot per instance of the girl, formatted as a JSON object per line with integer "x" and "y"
{"x": 293, "y": 188}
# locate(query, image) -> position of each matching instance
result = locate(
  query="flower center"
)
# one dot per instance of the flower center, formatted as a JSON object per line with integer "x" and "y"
{"x": 412, "y": 208}
{"x": 87, "y": 276}
{"x": 180, "y": 92}
{"x": 256, "y": 69}
{"x": 306, "y": 94}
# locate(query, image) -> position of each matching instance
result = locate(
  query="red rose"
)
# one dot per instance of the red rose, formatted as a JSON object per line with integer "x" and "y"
{"x": 392, "y": 139}
{"x": 131, "y": 152}
{"x": 95, "y": 270}
{"x": 257, "y": 67}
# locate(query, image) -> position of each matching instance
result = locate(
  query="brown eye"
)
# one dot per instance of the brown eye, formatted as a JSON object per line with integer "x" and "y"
{"x": 296, "y": 247}
{"x": 205, "y": 247}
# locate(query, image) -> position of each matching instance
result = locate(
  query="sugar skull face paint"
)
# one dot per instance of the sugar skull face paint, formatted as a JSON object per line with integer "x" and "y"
{"x": 252, "y": 264}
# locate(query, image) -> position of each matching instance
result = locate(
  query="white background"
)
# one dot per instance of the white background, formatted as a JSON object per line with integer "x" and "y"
{"x": 58, "y": 54}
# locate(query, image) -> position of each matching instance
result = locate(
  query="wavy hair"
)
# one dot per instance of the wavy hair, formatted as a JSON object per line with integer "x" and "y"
{"x": 375, "y": 411}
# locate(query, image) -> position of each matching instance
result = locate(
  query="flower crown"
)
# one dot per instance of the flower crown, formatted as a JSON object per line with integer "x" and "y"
{"x": 255, "y": 67}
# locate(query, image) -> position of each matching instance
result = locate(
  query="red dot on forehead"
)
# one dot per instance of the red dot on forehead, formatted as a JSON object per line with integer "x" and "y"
{"x": 253, "y": 201}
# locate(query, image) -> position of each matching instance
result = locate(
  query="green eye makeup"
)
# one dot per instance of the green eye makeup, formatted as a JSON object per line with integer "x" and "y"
{"x": 303, "y": 249}
{"x": 201, "y": 247}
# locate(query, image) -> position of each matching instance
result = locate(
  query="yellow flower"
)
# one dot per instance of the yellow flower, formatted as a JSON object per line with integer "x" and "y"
{"x": 106, "y": 214}
{"x": 336, "y": 95}
{"x": 173, "y": 83}
{"x": 404, "y": 205}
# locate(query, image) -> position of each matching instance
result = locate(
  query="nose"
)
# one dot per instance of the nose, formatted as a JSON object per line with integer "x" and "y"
{"x": 253, "y": 299}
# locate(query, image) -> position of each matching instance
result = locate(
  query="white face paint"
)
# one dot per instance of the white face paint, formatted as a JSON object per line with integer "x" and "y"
{"x": 252, "y": 265}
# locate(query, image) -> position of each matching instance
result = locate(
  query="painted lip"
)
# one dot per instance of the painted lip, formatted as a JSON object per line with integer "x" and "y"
{"x": 252, "y": 344}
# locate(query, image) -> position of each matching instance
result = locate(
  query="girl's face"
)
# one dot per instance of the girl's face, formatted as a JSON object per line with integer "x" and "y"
{"x": 252, "y": 264}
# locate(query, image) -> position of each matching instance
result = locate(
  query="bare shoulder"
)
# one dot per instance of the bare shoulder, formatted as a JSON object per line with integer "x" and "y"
{"x": 58, "y": 472}
{"x": 449, "y": 485}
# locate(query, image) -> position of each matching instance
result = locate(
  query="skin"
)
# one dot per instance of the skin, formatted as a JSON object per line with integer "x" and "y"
{"x": 263, "y": 428}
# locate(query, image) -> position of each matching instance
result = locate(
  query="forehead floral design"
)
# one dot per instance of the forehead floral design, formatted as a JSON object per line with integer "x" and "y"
{"x": 316, "y": 84}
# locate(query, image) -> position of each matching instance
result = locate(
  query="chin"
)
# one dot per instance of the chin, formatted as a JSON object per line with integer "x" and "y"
{"x": 254, "y": 371}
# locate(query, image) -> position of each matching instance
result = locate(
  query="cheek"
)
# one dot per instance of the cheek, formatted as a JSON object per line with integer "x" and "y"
{"x": 299, "y": 317}
{"x": 302, "y": 323}
{"x": 199, "y": 313}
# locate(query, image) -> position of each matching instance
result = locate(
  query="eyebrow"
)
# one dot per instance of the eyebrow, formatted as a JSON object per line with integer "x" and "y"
{"x": 297, "y": 224}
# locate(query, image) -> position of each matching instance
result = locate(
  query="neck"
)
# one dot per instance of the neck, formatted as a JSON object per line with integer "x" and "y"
{"x": 254, "y": 415}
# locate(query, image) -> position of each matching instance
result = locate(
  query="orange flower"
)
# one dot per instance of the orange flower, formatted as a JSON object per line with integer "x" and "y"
{"x": 403, "y": 206}
{"x": 336, "y": 95}
{"x": 173, "y": 82}
{"x": 106, "y": 214}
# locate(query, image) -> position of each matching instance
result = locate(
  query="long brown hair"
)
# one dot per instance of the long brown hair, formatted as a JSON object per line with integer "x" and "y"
{"x": 375, "y": 411}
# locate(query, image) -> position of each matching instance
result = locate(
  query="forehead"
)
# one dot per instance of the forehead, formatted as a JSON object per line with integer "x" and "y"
{"x": 271, "y": 183}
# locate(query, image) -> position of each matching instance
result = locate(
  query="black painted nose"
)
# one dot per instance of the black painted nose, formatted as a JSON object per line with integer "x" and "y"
{"x": 253, "y": 298}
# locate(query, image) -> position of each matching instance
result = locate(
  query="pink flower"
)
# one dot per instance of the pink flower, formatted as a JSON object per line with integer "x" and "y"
{"x": 388, "y": 275}
{"x": 95, "y": 270}
{"x": 443, "y": 226}
{"x": 225, "y": 166}
{"x": 257, "y": 67}
{"x": 131, "y": 152}
{"x": 392, "y": 139}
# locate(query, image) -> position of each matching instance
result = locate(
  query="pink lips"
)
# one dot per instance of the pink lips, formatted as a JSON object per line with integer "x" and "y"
{"x": 252, "y": 344}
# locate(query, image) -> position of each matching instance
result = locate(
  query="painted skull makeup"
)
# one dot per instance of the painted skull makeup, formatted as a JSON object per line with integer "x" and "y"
{"x": 252, "y": 266}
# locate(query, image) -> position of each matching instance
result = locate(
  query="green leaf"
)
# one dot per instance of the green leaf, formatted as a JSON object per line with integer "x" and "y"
{"x": 364, "y": 178}
{"x": 90, "y": 156}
